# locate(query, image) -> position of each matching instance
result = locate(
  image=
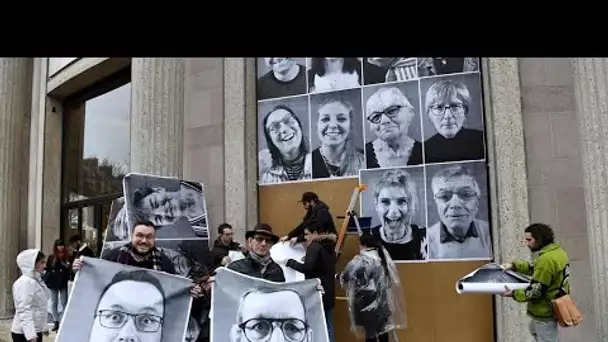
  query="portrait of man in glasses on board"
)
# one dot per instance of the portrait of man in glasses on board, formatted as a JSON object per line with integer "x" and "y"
{"x": 247, "y": 309}
{"x": 113, "y": 302}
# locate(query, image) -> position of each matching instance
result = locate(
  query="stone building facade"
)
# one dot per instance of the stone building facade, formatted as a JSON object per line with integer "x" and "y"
{"x": 73, "y": 126}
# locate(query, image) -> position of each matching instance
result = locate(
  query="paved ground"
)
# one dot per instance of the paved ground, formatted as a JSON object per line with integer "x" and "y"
{"x": 5, "y": 332}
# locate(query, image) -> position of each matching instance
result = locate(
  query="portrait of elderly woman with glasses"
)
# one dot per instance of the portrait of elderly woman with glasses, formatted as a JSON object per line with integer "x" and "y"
{"x": 458, "y": 234}
{"x": 395, "y": 201}
{"x": 338, "y": 155}
{"x": 448, "y": 105}
{"x": 287, "y": 154}
{"x": 389, "y": 114}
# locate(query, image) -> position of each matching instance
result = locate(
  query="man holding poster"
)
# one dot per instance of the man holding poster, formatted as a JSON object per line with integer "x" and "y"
{"x": 258, "y": 263}
{"x": 320, "y": 262}
{"x": 550, "y": 276}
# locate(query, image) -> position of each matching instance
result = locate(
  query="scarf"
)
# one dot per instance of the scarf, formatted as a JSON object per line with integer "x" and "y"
{"x": 61, "y": 255}
{"x": 126, "y": 251}
{"x": 263, "y": 261}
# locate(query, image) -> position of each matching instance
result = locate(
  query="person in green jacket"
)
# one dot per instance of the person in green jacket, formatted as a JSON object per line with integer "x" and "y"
{"x": 550, "y": 279}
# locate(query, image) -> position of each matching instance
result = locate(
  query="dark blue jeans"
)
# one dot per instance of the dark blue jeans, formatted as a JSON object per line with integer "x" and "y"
{"x": 330, "y": 324}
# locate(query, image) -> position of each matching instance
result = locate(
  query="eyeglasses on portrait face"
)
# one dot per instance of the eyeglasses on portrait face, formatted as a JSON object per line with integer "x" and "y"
{"x": 115, "y": 319}
{"x": 455, "y": 108}
{"x": 463, "y": 194}
{"x": 288, "y": 120}
{"x": 261, "y": 329}
{"x": 390, "y": 112}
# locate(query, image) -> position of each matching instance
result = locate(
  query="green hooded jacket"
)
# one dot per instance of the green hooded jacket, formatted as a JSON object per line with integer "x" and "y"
{"x": 547, "y": 271}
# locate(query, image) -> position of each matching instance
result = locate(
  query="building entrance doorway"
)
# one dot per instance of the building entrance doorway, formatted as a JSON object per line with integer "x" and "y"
{"x": 88, "y": 218}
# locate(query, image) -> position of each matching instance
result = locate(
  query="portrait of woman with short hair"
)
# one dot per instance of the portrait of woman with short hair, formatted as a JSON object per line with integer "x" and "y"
{"x": 393, "y": 120}
{"x": 393, "y": 202}
{"x": 452, "y": 108}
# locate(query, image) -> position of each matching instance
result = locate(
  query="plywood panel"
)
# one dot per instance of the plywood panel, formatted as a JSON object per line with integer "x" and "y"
{"x": 435, "y": 313}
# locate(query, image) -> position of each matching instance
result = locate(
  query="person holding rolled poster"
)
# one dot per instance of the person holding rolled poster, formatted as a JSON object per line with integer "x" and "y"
{"x": 258, "y": 263}
{"x": 316, "y": 210}
{"x": 373, "y": 290}
{"x": 320, "y": 262}
{"x": 550, "y": 273}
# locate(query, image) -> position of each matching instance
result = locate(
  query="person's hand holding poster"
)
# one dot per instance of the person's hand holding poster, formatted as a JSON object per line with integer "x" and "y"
{"x": 491, "y": 279}
{"x": 115, "y": 302}
{"x": 283, "y": 251}
{"x": 247, "y": 309}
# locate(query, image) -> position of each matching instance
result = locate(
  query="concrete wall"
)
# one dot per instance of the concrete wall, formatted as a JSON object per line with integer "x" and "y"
{"x": 555, "y": 183}
{"x": 204, "y": 132}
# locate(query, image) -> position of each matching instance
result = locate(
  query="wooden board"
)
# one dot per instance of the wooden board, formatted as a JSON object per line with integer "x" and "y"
{"x": 435, "y": 312}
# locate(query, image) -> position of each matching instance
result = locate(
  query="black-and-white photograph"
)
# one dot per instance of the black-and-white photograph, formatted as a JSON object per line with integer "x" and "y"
{"x": 337, "y": 134}
{"x": 333, "y": 73}
{"x": 115, "y": 302}
{"x": 393, "y": 132}
{"x": 434, "y": 66}
{"x": 283, "y": 141}
{"x": 458, "y": 213}
{"x": 389, "y": 69}
{"x": 118, "y": 228}
{"x": 247, "y": 309}
{"x": 396, "y": 203}
{"x": 452, "y": 116}
{"x": 162, "y": 201}
{"x": 280, "y": 77}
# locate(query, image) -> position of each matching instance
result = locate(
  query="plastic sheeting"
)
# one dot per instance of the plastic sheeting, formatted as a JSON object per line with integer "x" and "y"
{"x": 491, "y": 279}
{"x": 375, "y": 299}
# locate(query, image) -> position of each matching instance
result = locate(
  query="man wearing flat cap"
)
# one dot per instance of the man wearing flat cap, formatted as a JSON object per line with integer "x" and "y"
{"x": 257, "y": 263}
{"x": 317, "y": 211}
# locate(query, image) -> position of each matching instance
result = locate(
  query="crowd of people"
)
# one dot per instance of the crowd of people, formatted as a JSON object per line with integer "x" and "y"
{"x": 370, "y": 278}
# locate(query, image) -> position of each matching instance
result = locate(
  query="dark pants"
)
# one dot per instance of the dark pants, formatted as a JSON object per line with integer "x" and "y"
{"x": 380, "y": 338}
{"x": 21, "y": 337}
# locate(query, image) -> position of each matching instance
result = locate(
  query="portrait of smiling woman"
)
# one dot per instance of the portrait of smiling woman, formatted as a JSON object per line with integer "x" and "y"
{"x": 394, "y": 203}
{"x": 392, "y": 115}
{"x": 337, "y": 123}
{"x": 284, "y": 147}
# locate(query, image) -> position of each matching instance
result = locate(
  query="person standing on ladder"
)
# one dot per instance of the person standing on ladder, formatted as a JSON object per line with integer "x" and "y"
{"x": 316, "y": 210}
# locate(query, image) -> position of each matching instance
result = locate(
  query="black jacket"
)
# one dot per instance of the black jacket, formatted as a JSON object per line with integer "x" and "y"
{"x": 249, "y": 267}
{"x": 165, "y": 263}
{"x": 86, "y": 251}
{"x": 219, "y": 251}
{"x": 320, "y": 262}
{"x": 57, "y": 274}
{"x": 319, "y": 213}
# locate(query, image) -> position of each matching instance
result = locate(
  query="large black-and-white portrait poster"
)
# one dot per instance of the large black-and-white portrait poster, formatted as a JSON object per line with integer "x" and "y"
{"x": 115, "y": 302}
{"x": 247, "y": 309}
{"x": 458, "y": 213}
{"x": 327, "y": 118}
{"x": 163, "y": 200}
{"x": 178, "y": 210}
{"x": 395, "y": 201}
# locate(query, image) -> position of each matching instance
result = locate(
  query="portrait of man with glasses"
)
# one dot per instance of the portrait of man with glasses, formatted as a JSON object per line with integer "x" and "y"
{"x": 454, "y": 109}
{"x": 245, "y": 308}
{"x": 271, "y": 315}
{"x": 114, "y": 302}
{"x": 130, "y": 308}
{"x": 460, "y": 229}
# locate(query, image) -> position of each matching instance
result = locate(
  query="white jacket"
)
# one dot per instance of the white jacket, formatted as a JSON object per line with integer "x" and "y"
{"x": 30, "y": 295}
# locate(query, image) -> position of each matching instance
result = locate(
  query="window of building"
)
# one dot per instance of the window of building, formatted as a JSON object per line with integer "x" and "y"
{"x": 96, "y": 156}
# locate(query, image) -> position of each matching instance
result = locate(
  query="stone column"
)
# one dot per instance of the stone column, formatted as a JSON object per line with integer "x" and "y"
{"x": 15, "y": 96}
{"x": 240, "y": 142}
{"x": 591, "y": 93}
{"x": 508, "y": 181}
{"x": 157, "y": 116}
